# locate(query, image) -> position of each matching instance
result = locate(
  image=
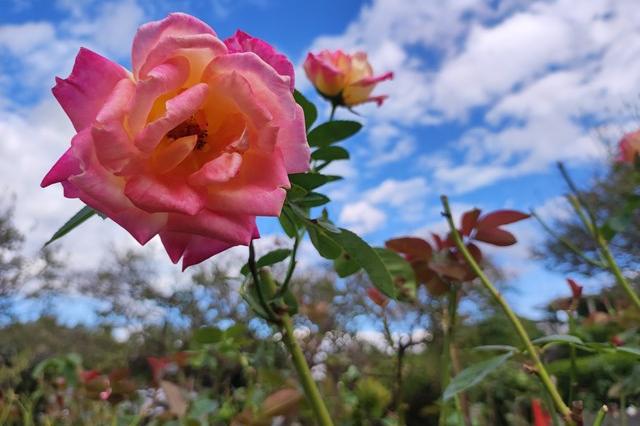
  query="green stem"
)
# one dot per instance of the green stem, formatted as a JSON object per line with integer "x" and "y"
{"x": 446, "y": 350}
{"x": 522, "y": 333}
{"x": 591, "y": 224}
{"x": 292, "y": 264}
{"x": 256, "y": 281}
{"x": 568, "y": 244}
{"x": 333, "y": 111}
{"x": 573, "y": 372}
{"x": 600, "y": 416}
{"x": 615, "y": 269}
{"x": 624, "y": 420}
{"x": 300, "y": 363}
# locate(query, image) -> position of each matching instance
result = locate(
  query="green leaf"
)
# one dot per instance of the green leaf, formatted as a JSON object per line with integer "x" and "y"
{"x": 208, "y": 335}
{"x": 330, "y": 153}
{"x": 287, "y": 222}
{"x": 313, "y": 199}
{"x": 249, "y": 293}
{"x": 275, "y": 256}
{"x": 310, "y": 110}
{"x": 291, "y": 301}
{"x": 345, "y": 266}
{"x": 325, "y": 246}
{"x": 401, "y": 271}
{"x": 560, "y": 339}
{"x": 77, "y": 219}
{"x": 310, "y": 181}
{"x": 496, "y": 348}
{"x": 474, "y": 374}
{"x": 332, "y": 131}
{"x": 629, "y": 350}
{"x": 296, "y": 192}
{"x": 368, "y": 258}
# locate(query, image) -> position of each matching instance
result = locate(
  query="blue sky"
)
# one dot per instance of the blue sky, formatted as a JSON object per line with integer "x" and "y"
{"x": 487, "y": 96}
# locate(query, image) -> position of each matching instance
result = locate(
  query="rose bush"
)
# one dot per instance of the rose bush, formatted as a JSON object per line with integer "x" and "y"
{"x": 346, "y": 80}
{"x": 192, "y": 145}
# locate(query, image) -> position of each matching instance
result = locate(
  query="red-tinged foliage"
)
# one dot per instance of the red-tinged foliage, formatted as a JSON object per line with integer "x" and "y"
{"x": 438, "y": 240}
{"x": 500, "y": 217}
{"x": 495, "y": 236}
{"x": 540, "y": 416}
{"x": 469, "y": 221}
{"x": 377, "y": 297}
{"x": 576, "y": 289}
{"x": 617, "y": 341}
{"x": 412, "y": 248}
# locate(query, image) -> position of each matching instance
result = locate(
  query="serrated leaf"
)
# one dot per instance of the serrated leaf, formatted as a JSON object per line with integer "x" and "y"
{"x": 271, "y": 258}
{"x": 332, "y": 131}
{"x": 76, "y": 220}
{"x": 296, "y": 192}
{"x": 309, "y": 109}
{"x": 330, "y": 153}
{"x": 559, "y": 338}
{"x": 474, "y": 374}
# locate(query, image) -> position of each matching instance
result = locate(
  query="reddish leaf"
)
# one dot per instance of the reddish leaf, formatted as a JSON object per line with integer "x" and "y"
{"x": 500, "y": 217}
{"x": 412, "y": 247}
{"x": 495, "y": 236}
{"x": 281, "y": 403}
{"x": 438, "y": 241}
{"x": 437, "y": 287}
{"x": 469, "y": 221}
{"x": 576, "y": 289}
{"x": 450, "y": 270}
{"x": 422, "y": 271}
{"x": 475, "y": 251}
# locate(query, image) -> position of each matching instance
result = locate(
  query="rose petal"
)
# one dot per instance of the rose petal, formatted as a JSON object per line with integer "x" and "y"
{"x": 150, "y": 34}
{"x": 243, "y": 42}
{"x": 220, "y": 169}
{"x": 154, "y": 195}
{"x": 86, "y": 90}
{"x": 66, "y": 166}
{"x": 179, "y": 109}
{"x": 232, "y": 228}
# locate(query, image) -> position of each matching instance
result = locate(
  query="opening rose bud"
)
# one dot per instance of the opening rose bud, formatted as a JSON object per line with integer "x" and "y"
{"x": 629, "y": 148}
{"x": 192, "y": 145}
{"x": 345, "y": 80}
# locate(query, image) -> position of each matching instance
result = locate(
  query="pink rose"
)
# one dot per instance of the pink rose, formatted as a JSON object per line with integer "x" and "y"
{"x": 344, "y": 79}
{"x": 629, "y": 147}
{"x": 193, "y": 145}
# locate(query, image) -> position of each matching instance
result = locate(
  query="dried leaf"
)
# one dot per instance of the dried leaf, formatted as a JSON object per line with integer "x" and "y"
{"x": 175, "y": 398}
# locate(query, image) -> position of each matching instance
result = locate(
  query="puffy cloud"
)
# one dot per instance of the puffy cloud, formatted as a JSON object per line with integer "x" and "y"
{"x": 362, "y": 217}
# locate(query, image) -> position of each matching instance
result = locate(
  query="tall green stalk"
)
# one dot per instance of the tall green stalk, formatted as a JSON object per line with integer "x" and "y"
{"x": 297, "y": 356}
{"x": 540, "y": 369}
{"x": 448, "y": 327}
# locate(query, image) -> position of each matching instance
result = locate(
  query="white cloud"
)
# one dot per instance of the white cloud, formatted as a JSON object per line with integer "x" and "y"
{"x": 398, "y": 193}
{"x": 362, "y": 217}
{"x": 535, "y": 75}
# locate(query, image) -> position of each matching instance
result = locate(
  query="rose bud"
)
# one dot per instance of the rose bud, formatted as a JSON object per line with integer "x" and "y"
{"x": 192, "y": 145}
{"x": 345, "y": 80}
{"x": 629, "y": 148}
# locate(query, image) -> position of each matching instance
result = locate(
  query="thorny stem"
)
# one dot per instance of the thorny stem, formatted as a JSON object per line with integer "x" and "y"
{"x": 541, "y": 371}
{"x": 568, "y": 244}
{"x": 300, "y": 363}
{"x": 592, "y": 226}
